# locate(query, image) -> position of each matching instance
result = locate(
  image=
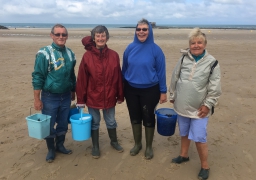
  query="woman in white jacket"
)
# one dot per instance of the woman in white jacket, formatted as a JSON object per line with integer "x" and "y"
{"x": 194, "y": 91}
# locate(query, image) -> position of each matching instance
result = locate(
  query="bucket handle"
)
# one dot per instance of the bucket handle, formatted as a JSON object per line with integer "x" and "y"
{"x": 34, "y": 108}
{"x": 30, "y": 110}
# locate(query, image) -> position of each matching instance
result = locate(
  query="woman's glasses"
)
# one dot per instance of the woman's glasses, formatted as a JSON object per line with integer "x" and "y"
{"x": 143, "y": 29}
{"x": 62, "y": 34}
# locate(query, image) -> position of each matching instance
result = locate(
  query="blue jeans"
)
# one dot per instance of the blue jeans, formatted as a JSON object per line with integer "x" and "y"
{"x": 57, "y": 106}
{"x": 109, "y": 117}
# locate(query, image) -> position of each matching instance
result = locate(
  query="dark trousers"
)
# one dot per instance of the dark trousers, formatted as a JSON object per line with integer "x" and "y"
{"x": 141, "y": 103}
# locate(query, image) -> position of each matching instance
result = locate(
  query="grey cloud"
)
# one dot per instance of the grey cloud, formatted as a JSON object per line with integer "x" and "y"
{"x": 168, "y": 1}
{"x": 127, "y": 11}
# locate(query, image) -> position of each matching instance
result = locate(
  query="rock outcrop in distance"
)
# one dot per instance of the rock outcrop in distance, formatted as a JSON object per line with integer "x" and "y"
{"x": 3, "y": 27}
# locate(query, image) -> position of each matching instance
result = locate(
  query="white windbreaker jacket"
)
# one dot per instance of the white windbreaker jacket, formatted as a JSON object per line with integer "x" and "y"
{"x": 192, "y": 85}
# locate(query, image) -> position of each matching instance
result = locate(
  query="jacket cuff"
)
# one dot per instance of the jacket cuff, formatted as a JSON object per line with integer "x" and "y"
{"x": 209, "y": 107}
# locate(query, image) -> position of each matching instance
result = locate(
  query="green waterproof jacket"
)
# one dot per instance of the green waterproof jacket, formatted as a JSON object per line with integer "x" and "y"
{"x": 54, "y": 69}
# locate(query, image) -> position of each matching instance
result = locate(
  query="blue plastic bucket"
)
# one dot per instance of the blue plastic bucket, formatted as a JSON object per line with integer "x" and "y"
{"x": 166, "y": 121}
{"x": 81, "y": 129}
{"x": 72, "y": 111}
{"x": 38, "y": 125}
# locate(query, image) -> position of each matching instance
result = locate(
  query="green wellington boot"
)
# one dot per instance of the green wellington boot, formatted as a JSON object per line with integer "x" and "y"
{"x": 137, "y": 134}
{"x": 113, "y": 137}
{"x": 95, "y": 144}
{"x": 149, "y": 133}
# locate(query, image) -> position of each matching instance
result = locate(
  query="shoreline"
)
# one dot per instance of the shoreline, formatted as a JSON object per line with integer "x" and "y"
{"x": 168, "y": 27}
{"x": 113, "y": 26}
{"x": 127, "y": 34}
{"x": 125, "y": 29}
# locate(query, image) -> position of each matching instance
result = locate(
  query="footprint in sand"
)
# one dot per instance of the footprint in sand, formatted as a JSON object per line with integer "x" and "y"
{"x": 25, "y": 174}
{"x": 248, "y": 156}
{"x": 9, "y": 141}
{"x": 173, "y": 167}
{"x": 125, "y": 154}
{"x": 163, "y": 159}
{"x": 33, "y": 150}
{"x": 29, "y": 163}
{"x": 105, "y": 156}
{"x": 15, "y": 168}
{"x": 118, "y": 166}
{"x": 53, "y": 173}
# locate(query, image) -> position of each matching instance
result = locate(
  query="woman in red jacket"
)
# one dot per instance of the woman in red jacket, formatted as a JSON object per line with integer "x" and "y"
{"x": 99, "y": 85}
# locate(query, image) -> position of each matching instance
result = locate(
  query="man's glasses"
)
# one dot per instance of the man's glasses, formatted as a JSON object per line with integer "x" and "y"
{"x": 143, "y": 29}
{"x": 62, "y": 34}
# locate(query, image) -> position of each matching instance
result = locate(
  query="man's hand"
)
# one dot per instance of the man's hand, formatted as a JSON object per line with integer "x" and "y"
{"x": 38, "y": 105}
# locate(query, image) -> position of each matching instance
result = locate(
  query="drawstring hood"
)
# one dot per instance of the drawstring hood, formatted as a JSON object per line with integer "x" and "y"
{"x": 150, "y": 38}
{"x": 144, "y": 63}
{"x": 90, "y": 45}
{"x": 99, "y": 84}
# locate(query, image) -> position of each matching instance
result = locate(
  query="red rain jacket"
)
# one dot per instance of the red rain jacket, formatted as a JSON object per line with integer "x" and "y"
{"x": 99, "y": 81}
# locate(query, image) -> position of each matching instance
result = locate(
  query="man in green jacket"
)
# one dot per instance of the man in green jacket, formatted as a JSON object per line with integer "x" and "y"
{"x": 54, "y": 84}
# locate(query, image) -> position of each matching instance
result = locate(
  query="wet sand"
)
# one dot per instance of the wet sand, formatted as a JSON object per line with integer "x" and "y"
{"x": 231, "y": 130}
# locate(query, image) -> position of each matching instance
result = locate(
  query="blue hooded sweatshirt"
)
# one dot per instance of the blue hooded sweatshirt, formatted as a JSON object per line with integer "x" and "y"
{"x": 144, "y": 63}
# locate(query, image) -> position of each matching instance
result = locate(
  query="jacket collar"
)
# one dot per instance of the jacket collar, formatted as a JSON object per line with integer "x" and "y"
{"x": 58, "y": 48}
{"x": 186, "y": 52}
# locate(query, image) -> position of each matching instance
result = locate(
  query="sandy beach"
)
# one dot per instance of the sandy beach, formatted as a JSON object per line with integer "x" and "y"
{"x": 231, "y": 130}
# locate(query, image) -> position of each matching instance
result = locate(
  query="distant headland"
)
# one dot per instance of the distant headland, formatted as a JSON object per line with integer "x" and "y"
{"x": 3, "y": 27}
{"x": 153, "y": 24}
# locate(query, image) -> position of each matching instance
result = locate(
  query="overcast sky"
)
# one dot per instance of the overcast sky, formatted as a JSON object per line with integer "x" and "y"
{"x": 242, "y": 12}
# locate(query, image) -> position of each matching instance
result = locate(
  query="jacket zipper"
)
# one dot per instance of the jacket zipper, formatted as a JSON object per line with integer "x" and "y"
{"x": 192, "y": 71}
{"x": 103, "y": 77}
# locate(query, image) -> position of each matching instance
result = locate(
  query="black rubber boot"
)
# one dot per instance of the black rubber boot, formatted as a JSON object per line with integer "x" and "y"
{"x": 95, "y": 144}
{"x": 149, "y": 134}
{"x": 60, "y": 145}
{"x": 137, "y": 134}
{"x": 113, "y": 137}
{"x": 51, "y": 150}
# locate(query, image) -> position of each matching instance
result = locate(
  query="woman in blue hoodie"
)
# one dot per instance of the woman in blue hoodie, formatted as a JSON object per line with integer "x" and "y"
{"x": 144, "y": 84}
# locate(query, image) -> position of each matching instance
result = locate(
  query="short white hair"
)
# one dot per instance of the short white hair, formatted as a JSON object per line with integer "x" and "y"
{"x": 197, "y": 33}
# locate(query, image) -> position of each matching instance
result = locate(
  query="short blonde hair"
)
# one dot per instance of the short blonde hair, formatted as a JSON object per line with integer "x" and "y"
{"x": 197, "y": 33}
